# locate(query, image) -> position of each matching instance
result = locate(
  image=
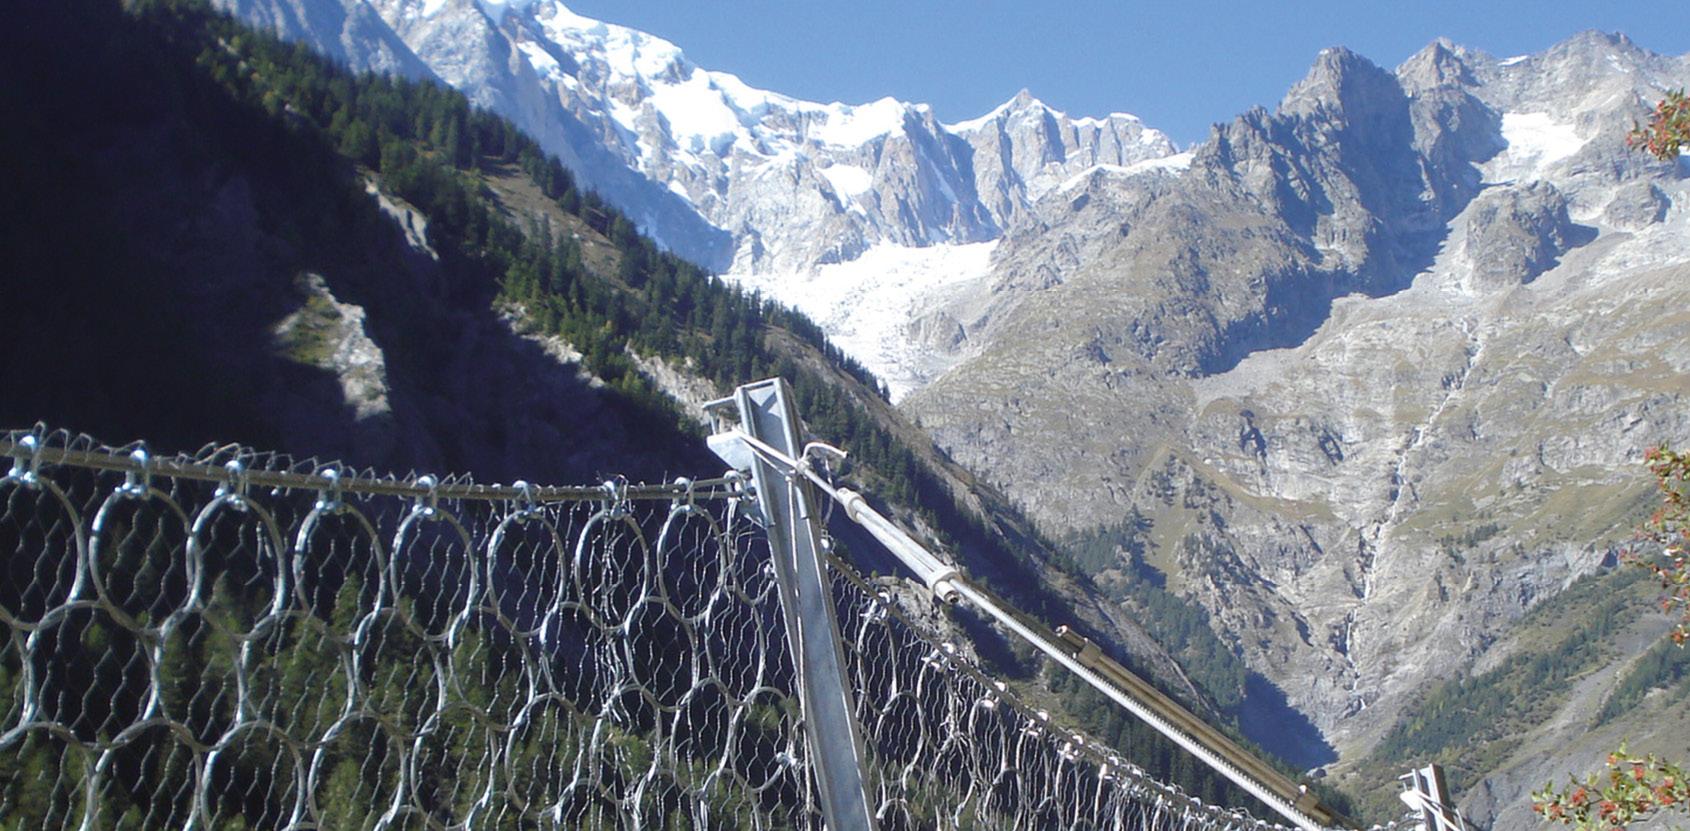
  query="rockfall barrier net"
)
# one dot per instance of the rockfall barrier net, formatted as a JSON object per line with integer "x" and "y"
{"x": 237, "y": 640}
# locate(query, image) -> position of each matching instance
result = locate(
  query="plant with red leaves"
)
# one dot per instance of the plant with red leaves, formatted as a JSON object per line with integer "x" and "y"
{"x": 1668, "y": 129}
{"x": 1632, "y": 788}
{"x": 1637, "y": 787}
{"x": 1669, "y": 530}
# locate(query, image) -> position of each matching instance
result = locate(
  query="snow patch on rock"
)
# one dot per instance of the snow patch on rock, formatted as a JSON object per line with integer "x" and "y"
{"x": 544, "y": 64}
{"x": 1536, "y": 141}
{"x": 1176, "y": 163}
{"x": 868, "y": 305}
{"x": 848, "y": 180}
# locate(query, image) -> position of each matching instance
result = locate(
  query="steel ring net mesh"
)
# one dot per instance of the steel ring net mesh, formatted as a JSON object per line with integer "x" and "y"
{"x": 182, "y": 652}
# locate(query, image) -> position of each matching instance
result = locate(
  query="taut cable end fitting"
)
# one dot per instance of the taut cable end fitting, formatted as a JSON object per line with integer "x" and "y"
{"x": 526, "y": 504}
{"x": 428, "y": 503}
{"x": 235, "y": 482}
{"x": 329, "y": 500}
{"x": 26, "y": 461}
{"x": 138, "y": 481}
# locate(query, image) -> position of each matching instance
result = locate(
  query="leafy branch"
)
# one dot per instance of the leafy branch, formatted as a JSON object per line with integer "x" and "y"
{"x": 1632, "y": 788}
{"x": 1668, "y": 129}
{"x": 1669, "y": 529}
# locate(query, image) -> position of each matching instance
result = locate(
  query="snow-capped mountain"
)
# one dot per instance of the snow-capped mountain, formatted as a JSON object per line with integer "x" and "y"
{"x": 798, "y": 183}
{"x": 780, "y": 194}
{"x": 783, "y": 183}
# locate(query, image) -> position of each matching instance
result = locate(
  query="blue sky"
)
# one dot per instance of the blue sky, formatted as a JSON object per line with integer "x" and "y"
{"x": 1178, "y": 65}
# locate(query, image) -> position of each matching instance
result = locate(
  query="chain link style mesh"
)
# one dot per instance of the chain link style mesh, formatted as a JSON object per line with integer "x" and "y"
{"x": 190, "y": 643}
{"x": 952, "y": 748}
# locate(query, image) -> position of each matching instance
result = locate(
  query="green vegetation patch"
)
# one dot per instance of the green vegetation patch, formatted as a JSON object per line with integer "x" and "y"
{"x": 1471, "y": 723}
{"x": 1180, "y": 626}
{"x": 1662, "y": 667}
{"x": 311, "y": 335}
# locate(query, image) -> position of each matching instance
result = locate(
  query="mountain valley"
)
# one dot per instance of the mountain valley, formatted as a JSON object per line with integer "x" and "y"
{"x": 1364, "y": 380}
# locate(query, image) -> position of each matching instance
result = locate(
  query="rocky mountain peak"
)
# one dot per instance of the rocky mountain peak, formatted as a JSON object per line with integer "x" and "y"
{"x": 1595, "y": 41}
{"x": 1341, "y": 81}
{"x": 1585, "y": 72}
{"x": 1442, "y": 63}
{"x": 1022, "y": 104}
{"x": 1594, "y": 54}
{"x": 1245, "y": 136}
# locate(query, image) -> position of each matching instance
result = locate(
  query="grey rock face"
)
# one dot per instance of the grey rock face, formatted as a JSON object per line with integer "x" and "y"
{"x": 342, "y": 346}
{"x": 1515, "y": 233}
{"x": 1635, "y": 206}
{"x": 1277, "y": 215}
{"x": 1377, "y": 366}
{"x": 938, "y": 331}
{"x": 353, "y": 33}
{"x": 1024, "y": 150}
{"x": 1453, "y": 128}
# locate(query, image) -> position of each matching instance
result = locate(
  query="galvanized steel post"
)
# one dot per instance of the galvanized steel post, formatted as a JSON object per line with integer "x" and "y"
{"x": 767, "y": 414}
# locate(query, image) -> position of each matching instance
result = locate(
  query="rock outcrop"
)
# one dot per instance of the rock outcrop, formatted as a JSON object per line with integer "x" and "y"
{"x": 1514, "y": 233}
